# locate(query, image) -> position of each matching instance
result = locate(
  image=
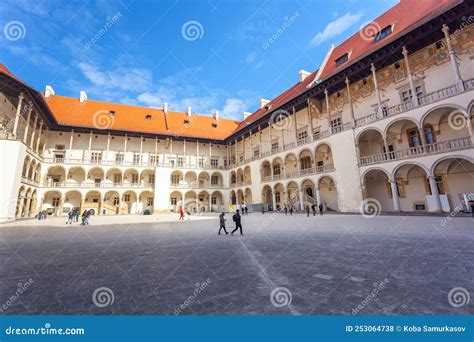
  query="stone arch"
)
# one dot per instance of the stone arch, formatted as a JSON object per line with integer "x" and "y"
{"x": 130, "y": 202}
{"x": 76, "y": 175}
{"x": 72, "y": 200}
{"x": 328, "y": 192}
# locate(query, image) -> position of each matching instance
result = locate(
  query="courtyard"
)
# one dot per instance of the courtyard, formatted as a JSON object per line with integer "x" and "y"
{"x": 282, "y": 265}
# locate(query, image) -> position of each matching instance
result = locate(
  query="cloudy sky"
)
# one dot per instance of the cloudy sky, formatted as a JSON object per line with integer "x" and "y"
{"x": 209, "y": 54}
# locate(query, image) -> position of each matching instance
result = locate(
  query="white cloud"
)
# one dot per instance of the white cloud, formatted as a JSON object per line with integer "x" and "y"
{"x": 335, "y": 28}
{"x": 234, "y": 108}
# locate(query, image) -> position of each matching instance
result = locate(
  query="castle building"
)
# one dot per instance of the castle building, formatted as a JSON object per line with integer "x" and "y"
{"x": 385, "y": 121}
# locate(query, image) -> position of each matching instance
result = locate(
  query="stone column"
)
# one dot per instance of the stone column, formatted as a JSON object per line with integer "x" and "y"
{"x": 274, "y": 200}
{"x": 326, "y": 94}
{"x": 385, "y": 145}
{"x": 310, "y": 120}
{"x": 108, "y": 147}
{"x": 39, "y": 137}
{"x": 318, "y": 196}
{"x": 18, "y": 114}
{"x": 351, "y": 105}
{"x": 300, "y": 195}
{"x": 27, "y": 125}
{"x": 452, "y": 58}
{"x": 32, "y": 140}
{"x": 21, "y": 203}
{"x": 71, "y": 138}
{"x": 296, "y": 126}
{"x": 423, "y": 139}
{"x": 377, "y": 90}
{"x": 414, "y": 98}
{"x": 141, "y": 150}
{"x": 90, "y": 146}
{"x": 435, "y": 193}
{"x": 396, "y": 200}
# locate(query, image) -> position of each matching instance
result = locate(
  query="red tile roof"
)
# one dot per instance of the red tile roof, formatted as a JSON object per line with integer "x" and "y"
{"x": 69, "y": 111}
{"x": 403, "y": 16}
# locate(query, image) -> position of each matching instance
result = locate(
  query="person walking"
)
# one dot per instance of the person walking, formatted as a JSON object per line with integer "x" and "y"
{"x": 307, "y": 210}
{"x": 44, "y": 215}
{"x": 84, "y": 218}
{"x": 313, "y": 208}
{"x": 222, "y": 224}
{"x": 77, "y": 213}
{"x": 237, "y": 219}
{"x": 321, "y": 209}
{"x": 291, "y": 210}
{"x": 286, "y": 210}
{"x": 246, "y": 210}
{"x": 70, "y": 217}
{"x": 181, "y": 214}
{"x": 39, "y": 215}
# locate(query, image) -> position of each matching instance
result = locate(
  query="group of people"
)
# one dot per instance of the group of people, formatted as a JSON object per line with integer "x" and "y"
{"x": 42, "y": 215}
{"x": 74, "y": 214}
{"x": 314, "y": 208}
{"x": 237, "y": 218}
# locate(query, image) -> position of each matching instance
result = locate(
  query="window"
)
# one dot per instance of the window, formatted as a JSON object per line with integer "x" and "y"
{"x": 96, "y": 157}
{"x": 276, "y": 169}
{"x": 117, "y": 179}
{"x": 406, "y": 95}
{"x": 225, "y": 162}
{"x": 149, "y": 201}
{"x": 214, "y": 163}
{"x": 55, "y": 202}
{"x": 60, "y": 147}
{"x": 344, "y": 58}
{"x": 175, "y": 179}
{"x": 277, "y": 196}
{"x": 429, "y": 134}
{"x": 148, "y": 117}
{"x": 151, "y": 179}
{"x": 59, "y": 157}
{"x": 274, "y": 145}
{"x": 256, "y": 152}
{"x": 136, "y": 159}
{"x": 305, "y": 163}
{"x": 126, "y": 197}
{"x": 111, "y": 112}
{"x": 153, "y": 159}
{"x": 302, "y": 135}
{"x": 383, "y": 33}
{"x": 316, "y": 133}
{"x": 135, "y": 178}
{"x": 214, "y": 180}
{"x": 201, "y": 162}
{"x": 118, "y": 158}
{"x": 414, "y": 139}
{"x": 180, "y": 161}
{"x": 174, "y": 200}
{"x": 213, "y": 200}
{"x": 336, "y": 124}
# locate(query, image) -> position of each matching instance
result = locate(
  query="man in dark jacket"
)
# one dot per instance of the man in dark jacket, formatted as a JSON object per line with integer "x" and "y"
{"x": 222, "y": 224}
{"x": 321, "y": 209}
{"x": 238, "y": 224}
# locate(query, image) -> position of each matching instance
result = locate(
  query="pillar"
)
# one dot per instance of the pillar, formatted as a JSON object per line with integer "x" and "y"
{"x": 351, "y": 105}
{"x": 32, "y": 140}
{"x": 326, "y": 94}
{"x": 274, "y": 200}
{"x": 141, "y": 149}
{"x": 108, "y": 147}
{"x": 300, "y": 195}
{"x": 90, "y": 145}
{"x": 396, "y": 200}
{"x": 27, "y": 125}
{"x": 296, "y": 126}
{"x": 452, "y": 58}
{"x": 318, "y": 196}
{"x": 414, "y": 99}
{"x": 18, "y": 114}
{"x": 71, "y": 138}
{"x": 423, "y": 139}
{"x": 377, "y": 90}
{"x": 39, "y": 137}
{"x": 385, "y": 144}
{"x": 435, "y": 193}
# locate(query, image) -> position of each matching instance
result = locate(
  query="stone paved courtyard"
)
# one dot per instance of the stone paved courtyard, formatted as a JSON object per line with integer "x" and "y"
{"x": 329, "y": 266}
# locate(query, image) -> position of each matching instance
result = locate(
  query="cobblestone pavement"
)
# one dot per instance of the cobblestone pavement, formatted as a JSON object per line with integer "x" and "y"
{"x": 329, "y": 265}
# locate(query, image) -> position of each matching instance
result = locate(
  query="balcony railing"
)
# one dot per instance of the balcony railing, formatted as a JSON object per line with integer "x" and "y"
{"x": 408, "y": 105}
{"x": 196, "y": 185}
{"x": 96, "y": 185}
{"x": 438, "y": 147}
{"x": 300, "y": 173}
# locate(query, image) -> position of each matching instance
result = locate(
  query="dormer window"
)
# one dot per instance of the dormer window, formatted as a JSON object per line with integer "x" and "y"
{"x": 111, "y": 112}
{"x": 148, "y": 117}
{"x": 344, "y": 58}
{"x": 383, "y": 33}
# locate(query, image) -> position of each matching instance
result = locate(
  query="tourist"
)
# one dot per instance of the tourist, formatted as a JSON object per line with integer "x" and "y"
{"x": 181, "y": 214}
{"x": 85, "y": 218}
{"x": 70, "y": 217}
{"x": 307, "y": 210}
{"x": 291, "y": 210}
{"x": 263, "y": 210}
{"x": 44, "y": 215}
{"x": 286, "y": 210}
{"x": 313, "y": 208}
{"x": 238, "y": 224}
{"x": 246, "y": 210}
{"x": 39, "y": 215}
{"x": 222, "y": 224}
{"x": 321, "y": 209}
{"x": 76, "y": 211}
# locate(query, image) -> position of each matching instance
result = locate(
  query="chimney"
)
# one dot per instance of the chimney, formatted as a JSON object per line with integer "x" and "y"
{"x": 49, "y": 91}
{"x": 165, "y": 107}
{"x": 189, "y": 112}
{"x": 216, "y": 115}
{"x": 247, "y": 114}
{"x": 263, "y": 102}
{"x": 304, "y": 74}
{"x": 82, "y": 96}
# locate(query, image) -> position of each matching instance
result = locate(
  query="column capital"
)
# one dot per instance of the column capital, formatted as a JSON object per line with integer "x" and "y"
{"x": 372, "y": 67}
{"x": 404, "y": 51}
{"x": 326, "y": 91}
{"x": 21, "y": 96}
{"x": 445, "y": 29}
{"x": 347, "y": 81}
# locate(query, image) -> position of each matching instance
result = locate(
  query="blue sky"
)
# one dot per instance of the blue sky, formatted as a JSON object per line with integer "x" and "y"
{"x": 211, "y": 55}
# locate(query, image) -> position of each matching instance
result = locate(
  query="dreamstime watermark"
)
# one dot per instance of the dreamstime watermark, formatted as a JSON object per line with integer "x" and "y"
{"x": 280, "y": 119}
{"x": 108, "y": 24}
{"x": 192, "y": 30}
{"x": 46, "y": 330}
{"x": 369, "y": 30}
{"x": 199, "y": 288}
{"x": 457, "y": 120}
{"x": 22, "y": 287}
{"x": 287, "y": 21}
{"x": 370, "y": 207}
{"x": 458, "y": 297}
{"x": 14, "y": 30}
{"x": 281, "y": 297}
{"x": 377, "y": 287}
{"x": 445, "y": 220}
{"x": 102, "y": 297}
{"x": 103, "y": 119}
{"x": 465, "y": 23}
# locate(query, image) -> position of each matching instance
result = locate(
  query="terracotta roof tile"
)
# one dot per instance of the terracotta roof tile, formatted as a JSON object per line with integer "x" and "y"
{"x": 89, "y": 114}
